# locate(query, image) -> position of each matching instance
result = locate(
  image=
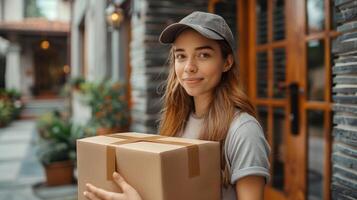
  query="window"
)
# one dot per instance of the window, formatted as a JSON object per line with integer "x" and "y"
{"x": 42, "y": 8}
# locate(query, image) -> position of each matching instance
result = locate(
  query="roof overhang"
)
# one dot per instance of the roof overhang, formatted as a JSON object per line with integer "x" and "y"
{"x": 36, "y": 26}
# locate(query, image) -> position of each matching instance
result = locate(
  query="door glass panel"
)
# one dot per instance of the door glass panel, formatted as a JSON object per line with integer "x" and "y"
{"x": 279, "y": 73}
{"x": 263, "y": 117}
{"x": 278, "y": 149}
{"x": 228, "y": 10}
{"x": 315, "y": 16}
{"x": 315, "y": 121}
{"x": 279, "y": 20}
{"x": 262, "y": 21}
{"x": 2, "y": 71}
{"x": 315, "y": 70}
{"x": 334, "y": 13}
{"x": 262, "y": 75}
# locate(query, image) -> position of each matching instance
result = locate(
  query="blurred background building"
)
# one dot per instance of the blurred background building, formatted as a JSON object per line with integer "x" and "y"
{"x": 297, "y": 62}
{"x": 35, "y": 56}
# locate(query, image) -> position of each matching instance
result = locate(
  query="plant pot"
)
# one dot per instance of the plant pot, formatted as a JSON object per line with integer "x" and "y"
{"x": 4, "y": 123}
{"x": 59, "y": 173}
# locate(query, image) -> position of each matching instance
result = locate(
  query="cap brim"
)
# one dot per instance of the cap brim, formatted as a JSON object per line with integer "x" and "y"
{"x": 169, "y": 34}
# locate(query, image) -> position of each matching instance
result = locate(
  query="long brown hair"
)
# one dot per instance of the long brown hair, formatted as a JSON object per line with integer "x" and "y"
{"x": 228, "y": 96}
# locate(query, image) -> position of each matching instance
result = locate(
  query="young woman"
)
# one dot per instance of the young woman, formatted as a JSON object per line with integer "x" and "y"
{"x": 203, "y": 100}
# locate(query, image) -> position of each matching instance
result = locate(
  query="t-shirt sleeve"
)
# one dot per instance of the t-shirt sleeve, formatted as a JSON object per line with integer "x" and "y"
{"x": 247, "y": 151}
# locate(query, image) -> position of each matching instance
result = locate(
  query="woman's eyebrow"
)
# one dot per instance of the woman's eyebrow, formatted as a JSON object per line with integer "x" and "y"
{"x": 197, "y": 48}
{"x": 178, "y": 49}
{"x": 204, "y": 47}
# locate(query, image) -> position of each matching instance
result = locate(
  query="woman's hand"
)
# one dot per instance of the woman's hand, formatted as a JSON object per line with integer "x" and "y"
{"x": 129, "y": 193}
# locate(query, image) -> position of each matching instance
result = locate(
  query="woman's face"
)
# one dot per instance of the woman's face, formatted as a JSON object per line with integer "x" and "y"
{"x": 198, "y": 63}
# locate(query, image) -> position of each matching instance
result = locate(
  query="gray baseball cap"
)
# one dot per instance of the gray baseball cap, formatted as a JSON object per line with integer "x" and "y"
{"x": 209, "y": 25}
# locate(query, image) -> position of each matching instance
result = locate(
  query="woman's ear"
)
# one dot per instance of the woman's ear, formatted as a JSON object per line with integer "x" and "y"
{"x": 228, "y": 64}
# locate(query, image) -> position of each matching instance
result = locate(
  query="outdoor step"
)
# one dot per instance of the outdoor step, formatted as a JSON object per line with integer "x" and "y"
{"x": 65, "y": 192}
{"x": 21, "y": 173}
{"x": 35, "y": 108}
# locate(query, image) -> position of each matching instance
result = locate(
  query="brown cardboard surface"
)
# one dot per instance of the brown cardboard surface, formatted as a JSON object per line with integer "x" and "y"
{"x": 157, "y": 171}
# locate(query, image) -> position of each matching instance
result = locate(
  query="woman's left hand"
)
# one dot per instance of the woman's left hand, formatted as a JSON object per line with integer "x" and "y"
{"x": 129, "y": 193}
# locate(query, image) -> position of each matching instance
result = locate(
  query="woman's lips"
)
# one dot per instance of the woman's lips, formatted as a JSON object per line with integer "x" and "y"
{"x": 192, "y": 80}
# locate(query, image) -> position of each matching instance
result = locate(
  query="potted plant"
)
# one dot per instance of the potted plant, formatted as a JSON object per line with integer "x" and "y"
{"x": 10, "y": 106}
{"x": 76, "y": 82}
{"x": 57, "y": 147}
{"x": 5, "y": 112}
{"x": 109, "y": 107}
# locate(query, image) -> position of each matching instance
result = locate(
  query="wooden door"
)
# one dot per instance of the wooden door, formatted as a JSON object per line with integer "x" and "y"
{"x": 289, "y": 68}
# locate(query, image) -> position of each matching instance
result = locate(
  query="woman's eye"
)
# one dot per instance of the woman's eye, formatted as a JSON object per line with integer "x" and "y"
{"x": 179, "y": 56}
{"x": 203, "y": 55}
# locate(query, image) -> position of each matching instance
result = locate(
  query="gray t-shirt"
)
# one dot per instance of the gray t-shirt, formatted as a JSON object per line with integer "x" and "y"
{"x": 247, "y": 151}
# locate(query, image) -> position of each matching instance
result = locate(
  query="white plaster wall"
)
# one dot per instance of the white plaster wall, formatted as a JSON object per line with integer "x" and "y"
{"x": 81, "y": 112}
{"x": 13, "y": 68}
{"x": 13, "y": 10}
{"x": 4, "y": 45}
{"x": 27, "y": 70}
{"x": 92, "y": 13}
{"x": 64, "y": 11}
{"x": 78, "y": 16}
{"x": 96, "y": 40}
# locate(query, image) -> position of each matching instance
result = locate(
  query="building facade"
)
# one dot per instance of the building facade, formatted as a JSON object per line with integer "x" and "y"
{"x": 35, "y": 44}
{"x": 286, "y": 66}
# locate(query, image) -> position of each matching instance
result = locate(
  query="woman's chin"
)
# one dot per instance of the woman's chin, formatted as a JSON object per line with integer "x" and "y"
{"x": 193, "y": 93}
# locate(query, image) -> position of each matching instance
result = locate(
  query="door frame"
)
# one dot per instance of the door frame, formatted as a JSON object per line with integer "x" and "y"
{"x": 295, "y": 45}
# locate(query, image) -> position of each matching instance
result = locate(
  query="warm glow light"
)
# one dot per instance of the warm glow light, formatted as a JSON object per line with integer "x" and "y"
{"x": 115, "y": 17}
{"x": 66, "y": 69}
{"x": 45, "y": 44}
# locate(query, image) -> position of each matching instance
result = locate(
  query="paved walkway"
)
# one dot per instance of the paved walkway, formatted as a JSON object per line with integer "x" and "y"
{"x": 20, "y": 169}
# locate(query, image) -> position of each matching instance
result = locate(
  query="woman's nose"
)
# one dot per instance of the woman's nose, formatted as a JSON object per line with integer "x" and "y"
{"x": 190, "y": 66}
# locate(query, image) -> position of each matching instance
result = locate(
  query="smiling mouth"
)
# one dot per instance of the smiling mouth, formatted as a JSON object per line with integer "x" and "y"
{"x": 192, "y": 80}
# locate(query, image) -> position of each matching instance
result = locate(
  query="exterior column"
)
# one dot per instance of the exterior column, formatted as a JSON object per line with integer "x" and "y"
{"x": 78, "y": 17}
{"x": 115, "y": 55}
{"x": 13, "y": 70}
{"x": 4, "y": 45}
{"x": 97, "y": 41}
{"x": 148, "y": 56}
{"x": 119, "y": 55}
{"x": 75, "y": 53}
{"x": 344, "y": 160}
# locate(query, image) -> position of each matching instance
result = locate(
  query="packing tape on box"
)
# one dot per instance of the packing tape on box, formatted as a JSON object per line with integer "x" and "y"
{"x": 192, "y": 152}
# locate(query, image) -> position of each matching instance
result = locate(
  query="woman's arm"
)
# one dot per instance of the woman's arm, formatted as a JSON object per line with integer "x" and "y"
{"x": 250, "y": 188}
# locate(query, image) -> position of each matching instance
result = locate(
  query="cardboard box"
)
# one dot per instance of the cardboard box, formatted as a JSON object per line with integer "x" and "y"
{"x": 158, "y": 167}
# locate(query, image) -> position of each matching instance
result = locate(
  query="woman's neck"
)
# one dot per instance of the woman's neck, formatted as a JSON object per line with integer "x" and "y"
{"x": 201, "y": 104}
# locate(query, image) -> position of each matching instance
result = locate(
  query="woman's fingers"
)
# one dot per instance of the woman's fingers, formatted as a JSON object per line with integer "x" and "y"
{"x": 99, "y": 193}
{"x": 121, "y": 181}
{"x": 90, "y": 195}
{"x": 129, "y": 193}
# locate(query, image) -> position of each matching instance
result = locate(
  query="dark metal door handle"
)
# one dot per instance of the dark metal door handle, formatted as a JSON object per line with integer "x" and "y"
{"x": 294, "y": 108}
